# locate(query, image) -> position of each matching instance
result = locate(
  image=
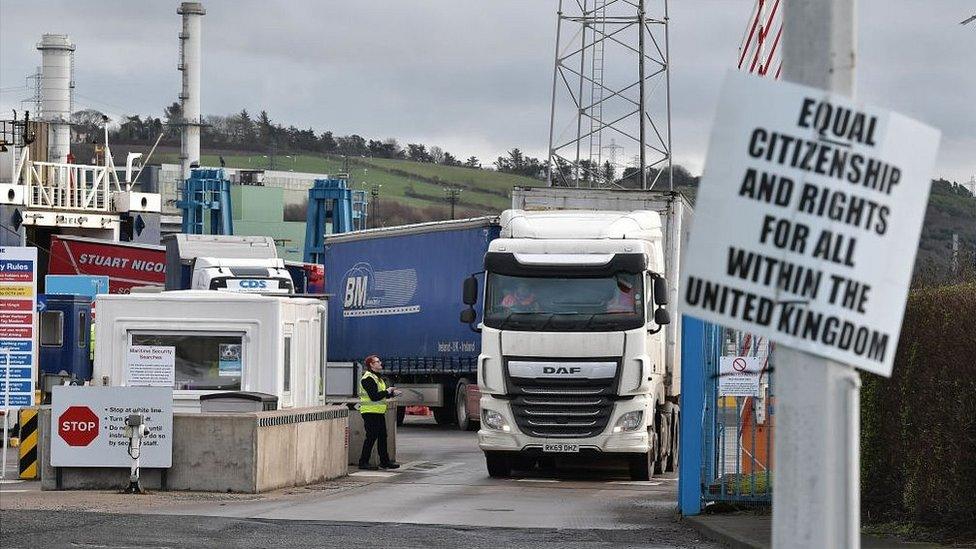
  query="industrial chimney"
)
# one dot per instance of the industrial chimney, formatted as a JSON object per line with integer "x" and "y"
{"x": 57, "y": 55}
{"x": 192, "y": 13}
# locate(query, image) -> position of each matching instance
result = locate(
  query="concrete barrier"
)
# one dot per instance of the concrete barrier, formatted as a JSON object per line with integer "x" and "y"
{"x": 223, "y": 452}
{"x": 357, "y": 432}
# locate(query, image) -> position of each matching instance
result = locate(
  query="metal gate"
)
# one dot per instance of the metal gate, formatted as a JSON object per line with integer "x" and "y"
{"x": 737, "y": 431}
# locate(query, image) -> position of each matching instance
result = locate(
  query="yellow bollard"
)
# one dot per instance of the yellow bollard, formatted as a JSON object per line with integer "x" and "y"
{"x": 27, "y": 451}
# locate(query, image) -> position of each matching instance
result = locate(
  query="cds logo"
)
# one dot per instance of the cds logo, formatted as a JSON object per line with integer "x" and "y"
{"x": 254, "y": 284}
{"x": 367, "y": 292}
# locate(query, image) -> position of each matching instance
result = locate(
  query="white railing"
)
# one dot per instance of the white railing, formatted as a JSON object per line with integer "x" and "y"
{"x": 76, "y": 187}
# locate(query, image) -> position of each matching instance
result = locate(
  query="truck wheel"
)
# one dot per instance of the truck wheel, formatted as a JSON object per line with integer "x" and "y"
{"x": 464, "y": 421}
{"x": 401, "y": 415}
{"x": 672, "y": 465}
{"x": 444, "y": 415}
{"x": 642, "y": 465}
{"x": 661, "y": 426}
{"x": 498, "y": 464}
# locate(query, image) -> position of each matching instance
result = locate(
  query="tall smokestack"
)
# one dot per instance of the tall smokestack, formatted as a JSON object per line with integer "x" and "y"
{"x": 192, "y": 13}
{"x": 56, "y": 85}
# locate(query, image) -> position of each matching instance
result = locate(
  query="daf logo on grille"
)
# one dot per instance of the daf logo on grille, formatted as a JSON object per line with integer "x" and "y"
{"x": 561, "y": 370}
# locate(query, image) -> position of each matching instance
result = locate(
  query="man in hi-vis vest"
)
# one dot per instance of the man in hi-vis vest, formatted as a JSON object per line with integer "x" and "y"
{"x": 373, "y": 393}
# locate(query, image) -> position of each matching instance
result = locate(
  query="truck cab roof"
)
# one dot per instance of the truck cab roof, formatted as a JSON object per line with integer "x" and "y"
{"x": 581, "y": 224}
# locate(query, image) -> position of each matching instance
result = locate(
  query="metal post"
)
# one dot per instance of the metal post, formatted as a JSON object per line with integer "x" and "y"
{"x": 642, "y": 98}
{"x": 692, "y": 408}
{"x": 552, "y": 107}
{"x": 6, "y": 413}
{"x": 580, "y": 109}
{"x": 667, "y": 84}
{"x": 816, "y": 499}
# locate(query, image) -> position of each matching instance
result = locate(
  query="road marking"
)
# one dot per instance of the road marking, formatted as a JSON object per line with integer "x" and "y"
{"x": 537, "y": 480}
{"x": 381, "y": 474}
{"x": 13, "y": 491}
{"x": 636, "y": 482}
{"x": 10, "y": 481}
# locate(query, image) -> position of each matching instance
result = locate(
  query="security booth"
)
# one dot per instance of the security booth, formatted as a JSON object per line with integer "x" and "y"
{"x": 64, "y": 328}
{"x": 201, "y": 342}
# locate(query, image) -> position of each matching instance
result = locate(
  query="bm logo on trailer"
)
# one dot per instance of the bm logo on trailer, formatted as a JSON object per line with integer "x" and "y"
{"x": 374, "y": 293}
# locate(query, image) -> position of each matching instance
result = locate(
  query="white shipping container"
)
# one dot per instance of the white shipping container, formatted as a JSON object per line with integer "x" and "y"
{"x": 224, "y": 342}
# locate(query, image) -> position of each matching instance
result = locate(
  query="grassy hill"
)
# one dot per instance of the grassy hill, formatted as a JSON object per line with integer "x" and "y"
{"x": 409, "y": 191}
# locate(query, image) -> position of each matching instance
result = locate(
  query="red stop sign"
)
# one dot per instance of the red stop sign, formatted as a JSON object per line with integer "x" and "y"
{"x": 78, "y": 426}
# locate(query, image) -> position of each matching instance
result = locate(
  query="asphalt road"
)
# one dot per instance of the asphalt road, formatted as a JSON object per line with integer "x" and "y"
{"x": 442, "y": 497}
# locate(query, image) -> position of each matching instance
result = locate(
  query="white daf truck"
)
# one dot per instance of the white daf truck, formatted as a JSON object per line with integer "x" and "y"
{"x": 578, "y": 353}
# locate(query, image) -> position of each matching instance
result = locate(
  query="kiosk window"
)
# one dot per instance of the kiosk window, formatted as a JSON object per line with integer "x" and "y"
{"x": 52, "y": 328}
{"x": 287, "y": 369}
{"x": 203, "y": 361}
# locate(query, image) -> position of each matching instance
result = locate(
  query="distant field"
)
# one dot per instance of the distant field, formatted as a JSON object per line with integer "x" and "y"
{"x": 412, "y": 184}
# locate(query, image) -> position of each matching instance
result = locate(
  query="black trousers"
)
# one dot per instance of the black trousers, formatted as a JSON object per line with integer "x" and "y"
{"x": 375, "y": 425}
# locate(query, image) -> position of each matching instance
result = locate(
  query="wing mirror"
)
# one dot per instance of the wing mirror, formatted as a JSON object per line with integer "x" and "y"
{"x": 470, "y": 294}
{"x": 468, "y": 316}
{"x": 660, "y": 291}
{"x": 661, "y": 317}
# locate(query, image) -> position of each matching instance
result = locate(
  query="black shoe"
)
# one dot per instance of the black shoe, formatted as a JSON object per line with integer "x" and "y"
{"x": 390, "y": 465}
{"x": 367, "y": 467}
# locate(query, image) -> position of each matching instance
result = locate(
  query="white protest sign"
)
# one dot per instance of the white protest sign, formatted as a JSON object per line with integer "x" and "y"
{"x": 88, "y": 426}
{"x": 739, "y": 375}
{"x": 150, "y": 366}
{"x": 807, "y": 220}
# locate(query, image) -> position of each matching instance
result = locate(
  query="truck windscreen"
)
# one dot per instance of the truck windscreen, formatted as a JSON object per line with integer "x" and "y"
{"x": 577, "y": 304}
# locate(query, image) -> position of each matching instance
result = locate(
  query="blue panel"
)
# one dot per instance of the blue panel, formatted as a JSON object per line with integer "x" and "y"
{"x": 400, "y": 296}
{"x": 85, "y": 285}
{"x": 692, "y": 408}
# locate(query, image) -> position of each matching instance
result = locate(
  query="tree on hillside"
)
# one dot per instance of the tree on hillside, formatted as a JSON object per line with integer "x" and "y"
{"x": 86, "y": 125}
{"x": 265, "y": 129}
{"x": 418, "y": 153}
{"x": 472, "y": 162}
{"x": 173, "y": 115}
{"x": 450, "y": 160}
{"x": 609, "y": 171}
{"x": 518, "y": 163}
{"x": 351, "y": 145}
{"x": 327, "y": 143}
{"x": 436, "y": 154}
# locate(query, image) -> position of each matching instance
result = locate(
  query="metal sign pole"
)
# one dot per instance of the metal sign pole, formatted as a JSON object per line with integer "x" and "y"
{"x": 816, "y": 499}
{"x": 6, "y": 412}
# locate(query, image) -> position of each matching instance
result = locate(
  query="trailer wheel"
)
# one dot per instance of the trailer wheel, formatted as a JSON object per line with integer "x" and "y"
{"x": 444, "y": 415}
{"x": 464, "y": 421}
{"x": 401, "y": 415}
{"x": 498, "y": 464}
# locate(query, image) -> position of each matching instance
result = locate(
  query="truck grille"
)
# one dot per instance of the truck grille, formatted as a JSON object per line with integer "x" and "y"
{"x": 572, "y": 408}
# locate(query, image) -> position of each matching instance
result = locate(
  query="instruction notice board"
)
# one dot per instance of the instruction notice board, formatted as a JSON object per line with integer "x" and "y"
{"x": 740, "y": 375}
{"x": 88, "y": 426}
{"x": 18, "y": 322}
{"x": 150, "y": 366}
{"x": 807, "y": 220}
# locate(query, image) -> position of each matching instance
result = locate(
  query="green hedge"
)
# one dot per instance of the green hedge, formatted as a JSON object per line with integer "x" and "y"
{"x": 918, "y": 429}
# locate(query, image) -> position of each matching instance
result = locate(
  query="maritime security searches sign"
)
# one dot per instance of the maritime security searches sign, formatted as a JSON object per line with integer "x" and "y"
{"x": 807, "y": 220}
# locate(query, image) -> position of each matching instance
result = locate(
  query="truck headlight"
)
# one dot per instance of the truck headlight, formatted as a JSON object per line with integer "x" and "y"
{"x": 493, "y": 420}
{"x": 631, "y": 421}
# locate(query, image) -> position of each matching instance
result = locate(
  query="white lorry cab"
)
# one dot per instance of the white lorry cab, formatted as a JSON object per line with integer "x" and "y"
{"x": 267, "y": 275}
{"x": 212, "y": 342}
{"x": 573, "y": 350}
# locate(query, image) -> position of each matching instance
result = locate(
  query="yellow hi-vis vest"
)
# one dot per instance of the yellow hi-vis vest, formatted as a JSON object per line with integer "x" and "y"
{"x": 367, "y": 406}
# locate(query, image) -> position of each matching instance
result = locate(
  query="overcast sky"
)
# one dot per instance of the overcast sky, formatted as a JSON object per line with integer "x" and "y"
{"x": 472, "y": 76}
